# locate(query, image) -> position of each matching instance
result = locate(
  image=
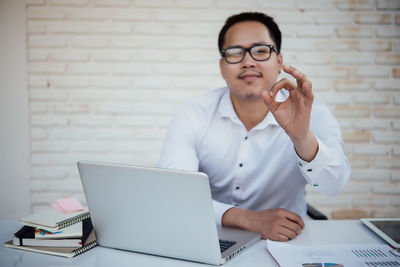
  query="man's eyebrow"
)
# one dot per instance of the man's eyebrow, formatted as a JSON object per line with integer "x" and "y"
{"x": 252, "y": 44}
{"x": 260, "y": 43}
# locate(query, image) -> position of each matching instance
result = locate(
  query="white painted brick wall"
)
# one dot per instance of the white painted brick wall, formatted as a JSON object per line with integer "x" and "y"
{"x": 105, "y": 76}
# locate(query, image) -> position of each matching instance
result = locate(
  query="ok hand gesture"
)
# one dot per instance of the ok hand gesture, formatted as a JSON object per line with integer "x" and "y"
{"x": 293, "y": 115}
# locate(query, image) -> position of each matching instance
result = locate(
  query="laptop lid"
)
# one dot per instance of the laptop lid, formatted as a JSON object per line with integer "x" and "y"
{"x": 387, "y": 228}
{"x": 155, "y": 211}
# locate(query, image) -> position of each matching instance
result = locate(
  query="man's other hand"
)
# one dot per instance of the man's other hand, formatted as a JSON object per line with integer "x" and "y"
{"x": 274, "y": 224}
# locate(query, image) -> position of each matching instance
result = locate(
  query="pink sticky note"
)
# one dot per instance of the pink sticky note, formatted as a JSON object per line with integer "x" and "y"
{"x": 56, "y": 207}
{"x": 69, "y": 205}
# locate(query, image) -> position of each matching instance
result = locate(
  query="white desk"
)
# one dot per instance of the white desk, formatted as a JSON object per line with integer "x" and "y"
{"x": 315, "y": 233}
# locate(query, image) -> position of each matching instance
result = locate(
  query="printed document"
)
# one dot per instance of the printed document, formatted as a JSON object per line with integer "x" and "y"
{"x": 333, "y": 256}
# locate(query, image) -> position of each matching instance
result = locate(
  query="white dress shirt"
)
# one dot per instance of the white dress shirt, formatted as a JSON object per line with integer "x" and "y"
{"x": 257, "y": 169}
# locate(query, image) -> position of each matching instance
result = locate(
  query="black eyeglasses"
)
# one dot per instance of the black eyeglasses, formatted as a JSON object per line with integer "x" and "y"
{"x": 259, "y": 52}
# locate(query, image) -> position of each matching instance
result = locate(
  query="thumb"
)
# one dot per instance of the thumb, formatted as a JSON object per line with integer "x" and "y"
{"x": 267, "y": 98}
{"x": 269, "y": 101}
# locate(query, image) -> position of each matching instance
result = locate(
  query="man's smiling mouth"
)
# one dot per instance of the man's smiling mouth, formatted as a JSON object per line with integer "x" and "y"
{"x": 250, "y": 75}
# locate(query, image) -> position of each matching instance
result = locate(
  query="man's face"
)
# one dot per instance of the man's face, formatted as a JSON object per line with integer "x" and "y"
{"x": 249, "y": 78}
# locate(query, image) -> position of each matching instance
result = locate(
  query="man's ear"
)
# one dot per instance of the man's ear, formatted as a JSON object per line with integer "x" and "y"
{"x": 220, "y": 67}
{"x": 280, "y": 60}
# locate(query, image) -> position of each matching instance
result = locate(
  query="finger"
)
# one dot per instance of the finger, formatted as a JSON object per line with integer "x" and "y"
{"x": 292, "y": 226}
{"x": 300, "y": 77}
{"x": 303, "y": 83}
{"x": 281, "y": 237}
{"x": 266, "y": 96}
{"x": 270, "y": 101}
{"x": 281, "y": 84}
{"x": 289, "y": 233}
{"x": 307, "y": 89}
{"x": 295, "y": 218}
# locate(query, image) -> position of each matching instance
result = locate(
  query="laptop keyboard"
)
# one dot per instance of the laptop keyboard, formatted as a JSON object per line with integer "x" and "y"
{"x": 225, "y": 244}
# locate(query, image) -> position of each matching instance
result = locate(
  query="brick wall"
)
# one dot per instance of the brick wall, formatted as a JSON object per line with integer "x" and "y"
{"x": 105, "y": 76}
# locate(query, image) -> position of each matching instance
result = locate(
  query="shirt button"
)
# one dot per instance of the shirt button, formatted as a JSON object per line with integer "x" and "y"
{"x": 236, "y": 205}
{"x": 300, "y": 164}
{"x": 309, "y": 170}
{"x": 246, "y": 138}
{"x": 316, "y": 185}
{"x": 240, "y": 165}
{"x": 237, "y": 187}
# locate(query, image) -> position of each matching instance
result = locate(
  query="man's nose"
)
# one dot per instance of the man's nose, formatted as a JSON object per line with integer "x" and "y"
{"x": 248, "y": 61}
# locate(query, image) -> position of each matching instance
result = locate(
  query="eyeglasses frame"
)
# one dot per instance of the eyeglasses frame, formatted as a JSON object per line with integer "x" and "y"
{"x": 272, "y": 48}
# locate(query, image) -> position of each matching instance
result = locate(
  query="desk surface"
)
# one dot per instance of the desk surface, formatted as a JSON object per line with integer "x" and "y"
{"x": 316, "y": 233}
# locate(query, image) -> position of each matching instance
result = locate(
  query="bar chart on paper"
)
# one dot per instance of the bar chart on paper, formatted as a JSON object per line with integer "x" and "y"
{"x": 320, "y": 264}
{"x": 378, "y": 257}
{"x": 333, "y": 256}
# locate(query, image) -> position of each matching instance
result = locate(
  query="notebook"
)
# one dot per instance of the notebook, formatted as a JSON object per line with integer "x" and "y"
{"x": 158, "y": 211}
{"x": 26, "y": 236}
{"x": 71, "y": 231}
{"x": 59, "y": 251}
{"x": 52, "y": 220}
{"x": 387, "y": 228}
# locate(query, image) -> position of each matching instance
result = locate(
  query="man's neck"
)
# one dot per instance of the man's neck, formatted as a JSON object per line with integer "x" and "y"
{"x": 250, "y": 112}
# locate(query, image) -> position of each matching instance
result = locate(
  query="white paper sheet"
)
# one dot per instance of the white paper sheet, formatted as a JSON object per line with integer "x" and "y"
{"x": 287, "y": 255}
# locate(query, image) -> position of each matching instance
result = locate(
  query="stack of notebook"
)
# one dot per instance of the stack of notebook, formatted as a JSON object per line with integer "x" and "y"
{"x": 52, "y": 232}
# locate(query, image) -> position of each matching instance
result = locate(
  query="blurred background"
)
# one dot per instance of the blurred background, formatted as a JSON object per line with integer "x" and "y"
{"x": 100, "y": 80}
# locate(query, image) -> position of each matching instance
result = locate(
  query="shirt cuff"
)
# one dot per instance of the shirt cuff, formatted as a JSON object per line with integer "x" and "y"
{"x": 219, "y": 210}
{"x": 312, "y": 169}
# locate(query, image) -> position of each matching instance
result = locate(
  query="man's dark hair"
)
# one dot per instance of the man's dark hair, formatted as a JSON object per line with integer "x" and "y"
{"x": 268, "y": 21}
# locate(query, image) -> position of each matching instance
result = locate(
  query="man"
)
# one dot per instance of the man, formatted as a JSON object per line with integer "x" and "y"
{"x": 258, "y": 152}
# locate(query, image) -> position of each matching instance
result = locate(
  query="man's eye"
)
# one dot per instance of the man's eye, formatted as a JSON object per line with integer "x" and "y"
{"x": 262, "y": 51}
{"x": 235, "y": 53}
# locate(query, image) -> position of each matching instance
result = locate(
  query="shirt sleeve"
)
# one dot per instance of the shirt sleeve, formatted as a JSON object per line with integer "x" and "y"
{"x": 179, "y": 148}
{"x": 329, "y": 171}
{"x": 219, "y": 210}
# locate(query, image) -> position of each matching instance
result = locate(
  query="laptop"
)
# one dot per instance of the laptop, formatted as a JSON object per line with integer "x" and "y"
{"x": 387, "y": 228}
{"x": 158, "y": 211}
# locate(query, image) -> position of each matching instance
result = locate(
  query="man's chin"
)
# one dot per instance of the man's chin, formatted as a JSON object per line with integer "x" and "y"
{"x": 248, "y": 92}
{"x": 253, "y": 92}
{"x": 253, "y": 96}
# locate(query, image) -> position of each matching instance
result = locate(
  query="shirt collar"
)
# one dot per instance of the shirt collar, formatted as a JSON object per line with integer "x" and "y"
{"x": 227, "y": 110}
{"x": 268, "y": 120}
